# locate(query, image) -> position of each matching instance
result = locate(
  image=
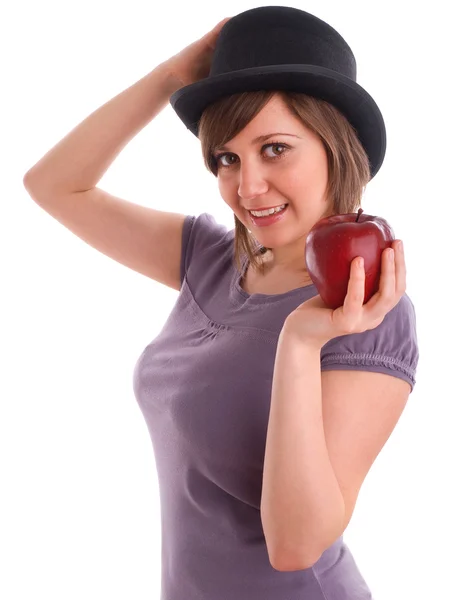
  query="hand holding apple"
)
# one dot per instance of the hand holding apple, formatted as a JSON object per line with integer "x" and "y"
{"x": 334, "y": 242}
{"x": 312, "y": 324}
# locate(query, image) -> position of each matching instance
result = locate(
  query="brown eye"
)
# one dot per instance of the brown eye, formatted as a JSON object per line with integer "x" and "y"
{"x": 219, "y": 157}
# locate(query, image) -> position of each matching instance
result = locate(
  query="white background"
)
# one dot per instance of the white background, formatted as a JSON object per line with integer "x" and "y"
{"x": 79, "y": 504}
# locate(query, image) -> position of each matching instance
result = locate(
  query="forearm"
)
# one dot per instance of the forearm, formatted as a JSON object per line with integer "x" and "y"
{"x": 80, "y": 159}
{"x": 302, "y": 506}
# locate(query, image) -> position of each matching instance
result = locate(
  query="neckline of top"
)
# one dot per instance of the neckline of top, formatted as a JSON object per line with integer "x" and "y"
{"x": 241, "y": 295}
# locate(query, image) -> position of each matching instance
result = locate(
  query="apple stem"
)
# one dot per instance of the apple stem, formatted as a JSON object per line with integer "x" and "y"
{"x": 360, "y": 211}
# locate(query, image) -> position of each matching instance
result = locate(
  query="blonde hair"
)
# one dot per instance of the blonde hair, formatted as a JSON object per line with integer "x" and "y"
{"x": 348, "y": 164}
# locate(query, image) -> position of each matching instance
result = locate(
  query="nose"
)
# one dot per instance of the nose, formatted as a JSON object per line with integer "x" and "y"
{"x": 252, "y": 181}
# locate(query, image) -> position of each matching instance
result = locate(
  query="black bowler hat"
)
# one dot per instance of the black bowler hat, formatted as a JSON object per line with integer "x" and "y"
{"x": 284, "y": 48}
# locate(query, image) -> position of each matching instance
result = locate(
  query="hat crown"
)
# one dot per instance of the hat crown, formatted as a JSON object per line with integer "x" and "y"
{"x": 277, "y": 35}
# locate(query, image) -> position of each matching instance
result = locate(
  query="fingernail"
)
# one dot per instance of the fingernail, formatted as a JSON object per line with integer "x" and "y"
{"x": 400, "y": 246}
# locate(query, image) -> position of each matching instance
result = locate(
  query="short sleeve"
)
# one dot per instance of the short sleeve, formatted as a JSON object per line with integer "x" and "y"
{"x": 202, "y": 244}
{"x": 185, "y": 241}
{"x": 391, "y": 348}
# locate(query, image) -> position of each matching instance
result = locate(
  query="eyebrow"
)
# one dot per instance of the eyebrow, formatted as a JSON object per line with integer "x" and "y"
{"x": 262, "y": 138}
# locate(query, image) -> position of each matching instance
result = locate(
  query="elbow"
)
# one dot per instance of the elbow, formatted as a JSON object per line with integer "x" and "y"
{"x": 28, "y": 181}
{"x": 284, "y": 561}
{"x": 292, "y": 564}
{"x": 28, "y": 175}
{"x": 288, "y": 556}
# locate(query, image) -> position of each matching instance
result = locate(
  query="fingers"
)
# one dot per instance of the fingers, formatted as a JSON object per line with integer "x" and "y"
{"x": 400, "y": 268}
{"x": 356, "y": 287}
{"x": 393, "y": 279}
{"x": 219, "y": 25}
{"x": 388, "y": 278}
{"x": 357, "y": 316}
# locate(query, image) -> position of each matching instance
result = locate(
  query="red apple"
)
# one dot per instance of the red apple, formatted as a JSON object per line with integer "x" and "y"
{"x": 334, "y": 242}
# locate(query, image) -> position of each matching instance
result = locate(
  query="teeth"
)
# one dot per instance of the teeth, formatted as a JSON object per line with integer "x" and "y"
{"x": 266, "y": 213}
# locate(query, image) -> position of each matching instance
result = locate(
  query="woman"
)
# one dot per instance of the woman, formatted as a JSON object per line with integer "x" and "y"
{"x": 266, "y": 408}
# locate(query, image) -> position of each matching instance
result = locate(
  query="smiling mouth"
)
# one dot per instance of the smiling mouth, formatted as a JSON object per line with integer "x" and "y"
{"x": 268, "y": 208}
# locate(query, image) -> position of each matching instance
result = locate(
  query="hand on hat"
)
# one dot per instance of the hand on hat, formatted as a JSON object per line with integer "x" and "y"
{"x": 193, "y": 63}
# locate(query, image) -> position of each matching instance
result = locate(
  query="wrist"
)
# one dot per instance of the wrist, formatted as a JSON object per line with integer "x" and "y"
{"x": 171, "y": 80}
{"x": 289, "y": 335}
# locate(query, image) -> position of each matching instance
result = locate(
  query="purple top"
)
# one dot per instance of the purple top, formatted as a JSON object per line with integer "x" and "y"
{"x": 204, "y": 388}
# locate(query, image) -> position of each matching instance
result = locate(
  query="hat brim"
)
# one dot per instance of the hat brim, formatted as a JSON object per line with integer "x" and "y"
{"x": 342, "y": 92}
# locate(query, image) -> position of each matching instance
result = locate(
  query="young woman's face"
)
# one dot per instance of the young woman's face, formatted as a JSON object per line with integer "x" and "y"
{"x": 292, "y": 170}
